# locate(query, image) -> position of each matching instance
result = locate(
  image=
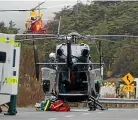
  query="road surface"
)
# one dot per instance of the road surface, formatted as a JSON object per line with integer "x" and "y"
{"x": 74, "y": 114}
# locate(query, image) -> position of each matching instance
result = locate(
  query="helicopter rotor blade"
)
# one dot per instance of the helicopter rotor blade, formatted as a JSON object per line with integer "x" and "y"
{"x": 35, "y": 39}
{"x": 21, "y": 10}
{"x": 127, "y": 36}
{"x": 66, "y": 63}
{"x": 116, "y": 42}
{"x": 35, "y": 8}
{"x": 38, "y": 5}
{"x": 86, "y": 37}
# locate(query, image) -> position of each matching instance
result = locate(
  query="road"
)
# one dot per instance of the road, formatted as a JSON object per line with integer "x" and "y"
{"x": 74, "y": 114}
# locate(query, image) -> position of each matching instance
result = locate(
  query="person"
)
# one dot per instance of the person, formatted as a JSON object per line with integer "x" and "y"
{"x": 33, "y": 20}
{"x": 12, "y": 106}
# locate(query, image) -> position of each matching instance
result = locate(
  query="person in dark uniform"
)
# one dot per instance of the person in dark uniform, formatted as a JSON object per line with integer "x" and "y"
{"x": 12, "y": 106}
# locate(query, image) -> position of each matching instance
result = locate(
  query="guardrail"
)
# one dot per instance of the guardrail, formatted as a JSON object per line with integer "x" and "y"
{"x": 110, "y": 103}
{"x": 118, "y": 100}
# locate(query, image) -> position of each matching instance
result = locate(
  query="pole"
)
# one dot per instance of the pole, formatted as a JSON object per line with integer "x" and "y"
{"x": 100, "y": 55}
{"x": 59, "y": 25}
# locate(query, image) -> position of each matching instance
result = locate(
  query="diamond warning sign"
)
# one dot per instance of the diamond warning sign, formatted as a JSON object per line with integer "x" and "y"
{"x": 128, "y": 79}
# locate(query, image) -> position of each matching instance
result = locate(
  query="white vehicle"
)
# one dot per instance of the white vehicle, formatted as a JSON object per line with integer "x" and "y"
{"x": 9, "y": 67}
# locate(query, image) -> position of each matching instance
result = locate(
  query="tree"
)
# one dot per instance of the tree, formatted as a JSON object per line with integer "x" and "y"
{"x": 108, "y": 17}
{"x": 10, "y": 29}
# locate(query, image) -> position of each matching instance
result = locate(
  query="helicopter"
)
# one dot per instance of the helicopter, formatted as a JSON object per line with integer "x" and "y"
{"x": 70, "y": 73}
{"x": 35, "y": 23}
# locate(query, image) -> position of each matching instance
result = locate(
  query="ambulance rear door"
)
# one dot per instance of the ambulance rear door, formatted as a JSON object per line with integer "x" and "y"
{"x": 6, "y": 61}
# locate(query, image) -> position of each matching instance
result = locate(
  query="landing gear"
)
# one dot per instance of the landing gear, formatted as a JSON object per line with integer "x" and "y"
{"x": 94, "y": 104}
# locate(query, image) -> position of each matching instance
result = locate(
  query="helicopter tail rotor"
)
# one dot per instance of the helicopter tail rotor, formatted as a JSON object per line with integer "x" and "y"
{"x": 36, "y": 60}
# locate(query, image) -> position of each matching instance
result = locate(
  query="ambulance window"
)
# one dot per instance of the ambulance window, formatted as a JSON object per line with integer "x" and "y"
{"x": 14, "y": 56}
{"x": 2, "y": 57}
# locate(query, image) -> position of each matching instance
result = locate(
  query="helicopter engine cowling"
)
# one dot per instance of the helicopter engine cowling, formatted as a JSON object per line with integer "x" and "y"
{"x": 79, "y": 53}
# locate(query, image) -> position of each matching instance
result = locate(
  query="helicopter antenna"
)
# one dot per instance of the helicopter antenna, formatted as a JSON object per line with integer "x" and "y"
{"x": 59, "y": 25}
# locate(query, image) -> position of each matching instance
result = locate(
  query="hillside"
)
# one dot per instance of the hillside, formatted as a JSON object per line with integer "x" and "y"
{"x": 106, "y": 18}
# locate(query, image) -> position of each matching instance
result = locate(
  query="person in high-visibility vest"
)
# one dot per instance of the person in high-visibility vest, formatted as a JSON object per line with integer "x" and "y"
{"x": 31, "y": 19}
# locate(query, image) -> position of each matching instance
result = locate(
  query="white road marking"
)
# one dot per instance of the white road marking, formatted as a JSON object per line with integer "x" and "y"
{"x": 121, "y": 109}
{"x": 69, "y": 116}
{"x": 52, "y": 118}
{"x": 79, "y": 110}
{"x": 100, "y": 112}
{"x": 85, "y": 113}
{"x": 26, "y": 113}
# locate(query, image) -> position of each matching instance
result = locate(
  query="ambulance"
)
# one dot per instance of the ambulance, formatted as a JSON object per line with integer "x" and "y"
{"x": 9, "y": 67}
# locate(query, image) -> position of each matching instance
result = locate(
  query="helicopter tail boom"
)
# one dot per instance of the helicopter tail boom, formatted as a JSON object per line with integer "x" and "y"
{"x": 66, "y": 63}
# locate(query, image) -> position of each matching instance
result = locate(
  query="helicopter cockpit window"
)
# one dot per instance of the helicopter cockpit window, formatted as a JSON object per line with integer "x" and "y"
{"x": 32, "y": 18}
{"x": 60, "y": 52}
{"x": 85, "y": 52}
{"x": 82, "y": 44}
{"x": 2, "y": 57}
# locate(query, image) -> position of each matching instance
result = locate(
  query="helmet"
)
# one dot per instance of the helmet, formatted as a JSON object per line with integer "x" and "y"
{"x": 52, "y": 55}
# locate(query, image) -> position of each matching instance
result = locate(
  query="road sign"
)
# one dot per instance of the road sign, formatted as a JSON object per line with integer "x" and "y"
{"x": 128, "y": 88}
{"x": 128, "y": 79}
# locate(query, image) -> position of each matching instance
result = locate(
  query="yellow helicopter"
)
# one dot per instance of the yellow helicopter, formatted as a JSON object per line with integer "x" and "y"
{"x": 34, "y": 23}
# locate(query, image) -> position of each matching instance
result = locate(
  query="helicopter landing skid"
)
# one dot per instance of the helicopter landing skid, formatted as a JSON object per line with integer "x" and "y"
{"x": 94, "y": 104}
{"x": 89, "y": 101}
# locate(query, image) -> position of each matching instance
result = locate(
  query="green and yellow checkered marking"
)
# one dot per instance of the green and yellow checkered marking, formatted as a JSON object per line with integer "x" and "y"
{"x": 11, "y": 41}
{"x": 12, "y": 80}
